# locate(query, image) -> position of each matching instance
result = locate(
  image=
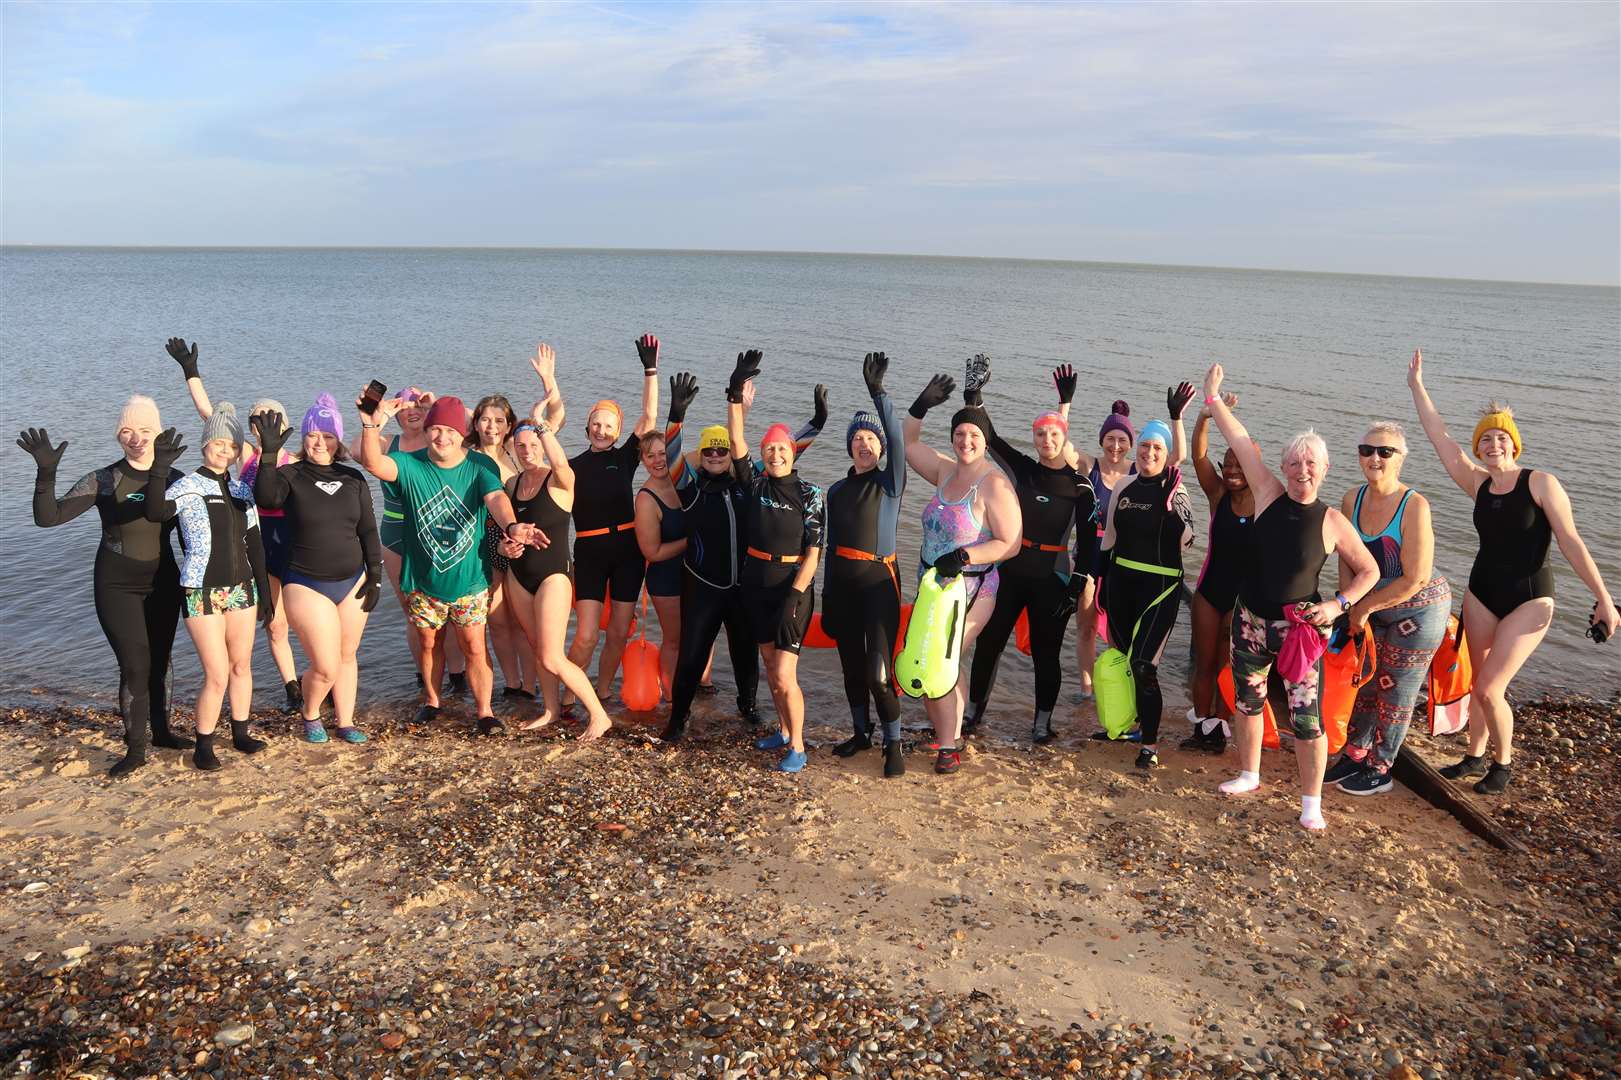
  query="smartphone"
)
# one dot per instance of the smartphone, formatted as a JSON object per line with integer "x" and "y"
{"x": 373, "y": 395}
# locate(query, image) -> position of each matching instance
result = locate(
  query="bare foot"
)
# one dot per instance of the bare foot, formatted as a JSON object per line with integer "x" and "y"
{"x": 598, "y": 728}
{"x": 536, "y": 724}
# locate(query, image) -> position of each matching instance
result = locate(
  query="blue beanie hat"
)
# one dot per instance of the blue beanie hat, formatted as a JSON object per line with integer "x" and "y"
{"x": 864, "y": 421}
{"x": 1156, "y": 429}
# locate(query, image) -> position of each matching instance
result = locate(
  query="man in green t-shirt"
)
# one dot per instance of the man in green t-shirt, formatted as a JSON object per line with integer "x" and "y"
{"x": 446, "y": 493}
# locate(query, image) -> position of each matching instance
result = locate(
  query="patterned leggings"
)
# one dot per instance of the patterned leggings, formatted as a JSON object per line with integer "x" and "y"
{"x": 1406, "y": 637}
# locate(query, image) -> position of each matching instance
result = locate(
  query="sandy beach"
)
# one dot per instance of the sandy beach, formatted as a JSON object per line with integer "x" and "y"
{"x": 431, "y": 904}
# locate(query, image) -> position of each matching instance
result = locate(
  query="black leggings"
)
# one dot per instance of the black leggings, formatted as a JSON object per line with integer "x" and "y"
{"x": 1043, "y": 597}
{"x": 138, "y": 605}
{"x": 862, "y": 614}
{"x": 1134, "y": 601}
{"x": 704, "y": 610}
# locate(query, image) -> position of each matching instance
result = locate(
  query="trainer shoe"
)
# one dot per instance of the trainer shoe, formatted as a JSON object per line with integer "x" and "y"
{"x": 1343, "y": 769}
{"x": 1367, "y": 782}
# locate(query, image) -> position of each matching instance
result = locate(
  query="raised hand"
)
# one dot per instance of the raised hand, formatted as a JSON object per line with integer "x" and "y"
{"x": 184, "y": 356}
{"x": 1228, "y": 398}
{"x": 1065, "y": 379}
{"x": 1212, "y": 380}
{"x": 683, "y": 389}
{"x": 1415, "y": 370}
{"x": 545, "y": 364}
{"x": 747, "y": 368}
{"x": 272, "y": 433}
{"x": 748, "y": 396}
{"x": 977, "y": 372}
{"x": 937, "y": 392}
{"x": 1177, "y": 398}
{"x": 873, "y": 368}
{"x": 819, "y": 416}
{"x": 36, "y": 442}
{"x": 647, "y": 351}
{"x": 166, "y": 450}
{"x": 387, "y": 408}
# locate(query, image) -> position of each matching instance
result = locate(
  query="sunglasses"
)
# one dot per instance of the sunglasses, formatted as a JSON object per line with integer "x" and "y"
{"x": 1386, "y": 452}
{"x": 715, "y": 451}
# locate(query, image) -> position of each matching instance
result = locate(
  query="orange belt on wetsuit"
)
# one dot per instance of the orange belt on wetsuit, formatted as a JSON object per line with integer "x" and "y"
{"x": 756, "y": 553}
{"x": 1025, "y": 542}
{"x": 862, "y": 556}
{"x": 604, "y": 532}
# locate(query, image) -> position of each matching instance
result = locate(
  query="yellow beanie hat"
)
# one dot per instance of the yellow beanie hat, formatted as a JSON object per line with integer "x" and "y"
{"x": 1502, "y": 420}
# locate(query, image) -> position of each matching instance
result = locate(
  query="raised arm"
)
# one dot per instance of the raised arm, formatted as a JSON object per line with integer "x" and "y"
{"x": 925, "y": 462}
{"x": 370, "y": 453}
{"x": 1210, "y": 481}
{"x": 549, "y": 406}
{"x": 743, "y": 373}
{"x": 1550, "y": 494}
{"x": 48, "y": 510}
{"x": 270, "y": 487}
{"x": 1465, "y": 473}
{"x": 562, "y": 476}
{"x": 812, "y": 427}
{"x": 1266, "y": 486}
{"x": 1065, "y": 380}
{"x": 1176, "y": 403}
{"x": 893, "y": 477}
{"x": 186, "y": 356}
{"x": 683, "y": 390}
{"x": 647, "y": 351}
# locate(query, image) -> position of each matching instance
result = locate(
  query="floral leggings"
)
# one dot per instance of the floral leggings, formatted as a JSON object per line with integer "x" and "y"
{"x": 1256, "y": 642}
{"x": 1406, "y": 637}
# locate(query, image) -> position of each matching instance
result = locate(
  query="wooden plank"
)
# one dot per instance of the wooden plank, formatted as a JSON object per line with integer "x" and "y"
{"x": 1423, "y": 779}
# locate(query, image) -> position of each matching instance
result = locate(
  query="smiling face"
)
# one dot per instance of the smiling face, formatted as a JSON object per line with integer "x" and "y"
{"x": 1303, "y": 472}
{"x": 411, "y": 418}
{"x": 136, "y": 440}
{"x": 968, "y": 442}
{"x": 218, "y": 454}
{"x": 778, "y": 456}
{"x": 528, "y": 449}
{"x": 716, "y": 460}
{"x": 1049, "y": 442}
{"x": 1380, "y": 470}
{"x": 491, "y": 427}
{"x": 1116, "y": 445}
{"x": 865, "y": 450}
{"x": 320, "y": 448}
{"x": 1495, "y": 448}
{"x": 655, "y": 456}
{"x": 444, "y": 444}
{"x": 1232, "y": 473}
{"x": 602, "y": 428}
{"x": 1150, "y": 457}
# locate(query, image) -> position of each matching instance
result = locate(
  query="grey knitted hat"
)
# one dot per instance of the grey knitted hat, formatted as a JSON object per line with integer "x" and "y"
{"x": 223, "y": 424}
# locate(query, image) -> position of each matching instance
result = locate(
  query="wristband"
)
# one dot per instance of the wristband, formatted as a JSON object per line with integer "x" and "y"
{"x": 371, "y": 427}
{"x": 1212, "y": 399}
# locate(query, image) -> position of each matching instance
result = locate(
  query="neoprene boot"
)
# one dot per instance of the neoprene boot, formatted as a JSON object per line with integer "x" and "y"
{"x": 134, "y": 749}
{"x": 894, "y": 760}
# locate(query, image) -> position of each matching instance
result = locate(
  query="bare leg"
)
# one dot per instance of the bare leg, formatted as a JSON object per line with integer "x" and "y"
{"x": 391, "y": 563}
{"x": 281, "y": 650}
{"x": 669, "y": 612}
{"x": 782, "y": 669}
{"x": 430, "y": 646}
{"x": 315, "y": 620}
{"x": 353, "y": 622}
{"x": 587, "y": 628}
{"x": 613, "y": 646}
{"x": 523, "y": 604}
{"x": 1086, "y": 634}
{"x": 1502, "y": 654}
{"x": 551, "y": 618}
{"x": 505, "y": 637}
{"x": 240, "y": 629}
{"x": 480, "y": 676}
{"x": 1311, "y": 755}
{"x": 208, "y": 635}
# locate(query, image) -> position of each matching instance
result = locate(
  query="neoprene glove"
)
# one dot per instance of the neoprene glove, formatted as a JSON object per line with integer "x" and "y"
{"x": 936, "y": 393}
{"x": 36, "y": 442}
{"x": 1066, "y": 380}
{"x": 271, "y": 432}
{"x": 873, "y": 368}
{"x": 951, "y": 563}
{"x": 1177, "y": 398}
{"x": 647, "y": 351}
{"x": 371, "y": 587}
{"x": 166, "y": 450}
{"x": 748, "y": 366}
{"x": 683, "y": 388}
{"x": 267, "y": 606}
{"x": 819, "y": 417}
{"x": 1070, "y": 600}
{"x": 976, "y": 374}
{"x": 788, "y": 624}
{"x": 186, "y": 358}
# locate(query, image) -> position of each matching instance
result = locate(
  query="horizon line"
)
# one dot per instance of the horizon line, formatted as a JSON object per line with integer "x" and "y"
{"x": 587, "y": 248}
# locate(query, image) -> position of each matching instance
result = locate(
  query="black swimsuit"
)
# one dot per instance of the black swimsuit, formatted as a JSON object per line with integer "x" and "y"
{"x": 1224, "y": 561}
{"x": 535, "y": 565}
{"x": 1511, "y": 567}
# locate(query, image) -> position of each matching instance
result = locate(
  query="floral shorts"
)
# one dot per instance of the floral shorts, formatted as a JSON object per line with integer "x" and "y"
{"x": 1256, "y": 642}
{"x": 431, "y": 613}
{"x": 218, "y": 601}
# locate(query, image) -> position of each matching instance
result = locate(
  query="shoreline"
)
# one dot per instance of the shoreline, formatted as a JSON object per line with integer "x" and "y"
{"x": 625, "y": 909}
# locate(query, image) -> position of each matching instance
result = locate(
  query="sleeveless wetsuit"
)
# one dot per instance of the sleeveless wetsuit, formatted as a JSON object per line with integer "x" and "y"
{"x": 664, "y": 578}
{"x": 1405, "y": 638}
{"x": 391, "y": 530}
{"x": 952, "y": 524}
{"x": 331, "y": 529}
{"x": 1511, "y": 568}
{"x": 1153, "y": 522}
{"x": 607, "y": 559}
{"x": 223, "y": 568}
{"x": 783, "y": 518}
{"x": 136, "y": 585}
{"x": 535, "y": 565}
{"x": 1288, "y": 558}
{"x": 1224, "y": 561}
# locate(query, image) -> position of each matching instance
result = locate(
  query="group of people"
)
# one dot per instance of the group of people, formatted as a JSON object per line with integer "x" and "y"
{"x": 478, "y": 506}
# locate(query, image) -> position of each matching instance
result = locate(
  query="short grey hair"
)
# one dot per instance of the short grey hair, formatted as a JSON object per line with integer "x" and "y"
{"x": 1397, "y": 433}
{"x": 1307, "y": 440}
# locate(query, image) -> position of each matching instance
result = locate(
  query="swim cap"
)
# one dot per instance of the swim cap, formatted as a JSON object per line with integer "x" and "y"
{"x": 610, "y": 405}
{"x": 777, "y": 433}
{"x": 447, "y": 412}
{"x": 1502, "y": 420}
{"x": 410, "y": 395}
{"x": 1116, "y": 421}
{"x": 714, "y": 437}
{"x": 266, "y": 404}
{"x": 223, "y": 424}
{"x": 1157, "y": 429}
{"x": 1050, "y": 417}
{"x": 968, "y": 416}
{"x": 864, "y": 421}
{"x": 139, "y": 411}
{"x": 323, "y": 416}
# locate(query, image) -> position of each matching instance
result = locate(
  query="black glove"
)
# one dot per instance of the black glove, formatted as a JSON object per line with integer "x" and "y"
{"x": 873, "y": 369}
{"x": 683, "y": 388}
{"x": 186, "y": 358}
{"x": 748, "y": 366}
{"x": 1066, "y": 380}
{"x": 1177, "y": 398}
{"x": 271, "y": 431}
{"x": 936, "y": 393}
{"x": 647, "y": 351}
{"x": 37, "y": 443}
{"x": 819, "y": 417}
{"x": 788, "y": 624}
{"x": 267, "y": 606}
{"x": 1069, "y": 601}
{"x": 976, "y": 374}
{"x": 166, "y": 450}
{"x": 371, "y": 587}
{"x": 951, "y": 563}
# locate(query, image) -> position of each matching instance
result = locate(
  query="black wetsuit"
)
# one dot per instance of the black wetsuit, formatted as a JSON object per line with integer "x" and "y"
{"x": 332, "y": 527}
{"x": 535, "y": 565}
{"x": 1153, "y": 521}
{"x": 1511, "y": 568}
{"x": 783, "y": 518}
{"x": 136, "y": 590}
{"x": 1059, "y": 509}
{"x": 607, "y": 560}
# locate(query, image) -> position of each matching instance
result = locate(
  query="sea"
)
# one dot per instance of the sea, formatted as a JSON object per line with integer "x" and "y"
{"x": 82, "y": 328}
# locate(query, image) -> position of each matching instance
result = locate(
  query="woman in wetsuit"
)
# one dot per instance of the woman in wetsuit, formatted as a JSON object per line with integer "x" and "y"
{"x": 1106, "y": 472}
{"x": 1509, "y": 605}
{"x": 861, "y": 594}
{"x": 1406, "y": 612}
{"x": 273, "y": 528}
{"x": 491, "y": 435}
{"x": 335, "y": 572}
{"x": 661, "y": 527}
{"x": 538, "y": 578}
{"x": 136, "y": 581}
{"x": 1294, "y": 533}
{"x": 1150, "y": 521}
{"x": 607, "y": 561}
{"x": 1232, "y": 509}
{"x": 224, "y": 586}
{"x": 1058, "y": 509}
{"x": 970, "y": 524}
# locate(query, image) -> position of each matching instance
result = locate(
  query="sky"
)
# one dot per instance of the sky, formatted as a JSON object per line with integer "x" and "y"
{"x": 1451, "y": 140}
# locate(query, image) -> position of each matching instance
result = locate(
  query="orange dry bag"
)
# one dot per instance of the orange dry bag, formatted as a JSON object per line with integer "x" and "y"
{"x": 1344, "y": 673}
{"x": 640, "y": 689}
{"x": 1450, "y": 680}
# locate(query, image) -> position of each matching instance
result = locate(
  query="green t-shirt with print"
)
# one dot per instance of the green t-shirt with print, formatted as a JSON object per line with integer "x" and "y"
{"x": 444, "y": 523}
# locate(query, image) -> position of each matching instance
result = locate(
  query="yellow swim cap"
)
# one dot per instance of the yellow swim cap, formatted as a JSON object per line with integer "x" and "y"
{"x": 714, "y": 437}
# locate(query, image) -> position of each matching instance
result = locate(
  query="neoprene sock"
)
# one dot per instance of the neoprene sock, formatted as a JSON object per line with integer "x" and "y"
{"x": 1496, "y": 781}
{"x": 853, "y": 745}
{"x": 894, "y": 760}
{"x": 975, "y": 717}
{"x": 134, "y": 757}
{"x": 203, "y": 756}
{"x": 241, "y": 740}
{"x": 1471, "y": 765}
{"x": 1311, "y": 812}
{"x": 1041, "y": 729}
{"x": 162, "y": 736}
{"x": 489, "y": 725}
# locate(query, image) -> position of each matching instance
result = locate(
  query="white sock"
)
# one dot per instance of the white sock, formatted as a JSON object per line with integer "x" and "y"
{"x": 1311, "y": 811}
{"x": 1247, "y": 781}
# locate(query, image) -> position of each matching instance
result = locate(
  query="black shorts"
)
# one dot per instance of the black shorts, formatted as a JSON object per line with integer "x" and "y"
{"x": 608, "y": 564}
{"x": 764, "y": 604}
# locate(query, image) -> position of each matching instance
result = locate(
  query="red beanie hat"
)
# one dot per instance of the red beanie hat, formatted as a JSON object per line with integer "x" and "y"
{"x": 447, "y": 412}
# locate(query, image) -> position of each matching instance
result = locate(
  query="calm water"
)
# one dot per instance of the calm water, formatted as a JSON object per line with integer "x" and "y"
{"x": 84, "y": 328}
